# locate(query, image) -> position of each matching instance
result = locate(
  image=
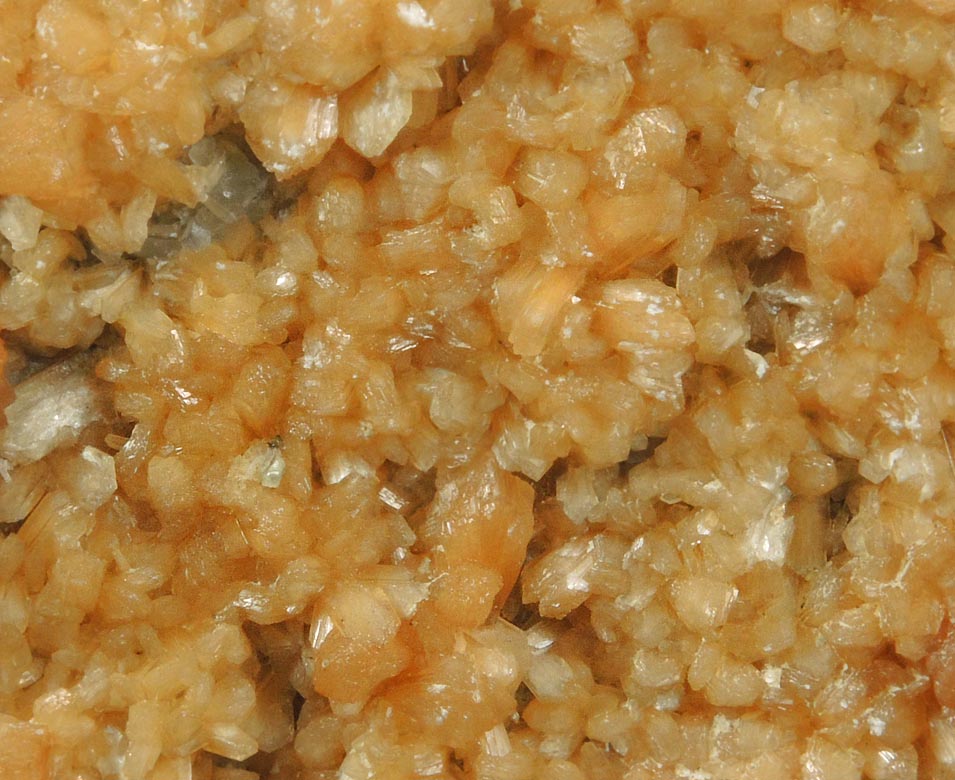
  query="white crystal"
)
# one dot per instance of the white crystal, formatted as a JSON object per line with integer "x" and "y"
{"x": 51, "y": 409}
{"x": 20, "y": 222}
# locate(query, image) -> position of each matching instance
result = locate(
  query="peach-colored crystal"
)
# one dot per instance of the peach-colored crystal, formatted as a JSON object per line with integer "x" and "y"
{"x": 487, "y": 389}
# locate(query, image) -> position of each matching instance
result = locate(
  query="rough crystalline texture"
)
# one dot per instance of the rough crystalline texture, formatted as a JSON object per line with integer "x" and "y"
{"x": 477, "y": 389}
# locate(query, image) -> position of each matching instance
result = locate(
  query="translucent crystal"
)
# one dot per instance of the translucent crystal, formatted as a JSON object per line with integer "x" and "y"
{"x": 52, "y": 408}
